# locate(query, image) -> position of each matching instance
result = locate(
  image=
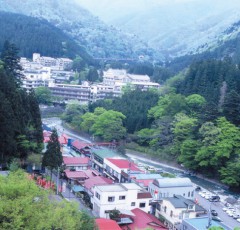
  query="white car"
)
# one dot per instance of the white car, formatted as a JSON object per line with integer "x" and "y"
{"x": 230, "y": 213}
{"x": 203, "y": 193}
{"x": 238, "y": 220}
{"x": 208, "y": 196}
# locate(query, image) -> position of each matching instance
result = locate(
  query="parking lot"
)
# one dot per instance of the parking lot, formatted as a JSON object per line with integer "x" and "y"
{"x": 218, "y": 207}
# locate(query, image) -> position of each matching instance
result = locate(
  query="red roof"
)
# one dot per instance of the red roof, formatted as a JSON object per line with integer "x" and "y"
{"x": 79, "y": 145}
{"x": 124, "y": 164}
{"x": 47, "y": 133}
{"x": 97, "y": 180}
{"x": 76, "y": 160}
{"x": 75, "y": 174}
{"x": 145, "y": 182}
{"x": 46, "y": 139}
{"x": 91, "y": 173}
{"x": 143, "y": 220}
{"x": 144, "y": 195}
{"x": 107, "y": 224}
{"x": 65, "y": 136}
{"x": 62, "y": 140}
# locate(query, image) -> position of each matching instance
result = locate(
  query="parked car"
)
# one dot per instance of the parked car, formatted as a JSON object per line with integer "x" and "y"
{"x": 214, "y": 213}
{"x": 216, "y": 218}
{"x": 236, "y": 216}
{"x": 203, "y": 193}
{"x": 158, "y": 170}
{"x": 238, "y": 220}
{"x": 198, "y": 188}
{"x": 151, "y": 168}
{"x": 214, "y": 199}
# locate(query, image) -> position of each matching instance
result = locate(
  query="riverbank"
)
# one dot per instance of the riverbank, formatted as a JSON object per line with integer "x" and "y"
{"x": 144, "y": 157}
{"x": 136, "y": 154}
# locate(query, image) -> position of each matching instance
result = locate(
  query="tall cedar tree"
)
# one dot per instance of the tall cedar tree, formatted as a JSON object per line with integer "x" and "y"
{"x": 11, "y": 61}
{"x": 20, "y": 121}
{"x": 52, "y": 158}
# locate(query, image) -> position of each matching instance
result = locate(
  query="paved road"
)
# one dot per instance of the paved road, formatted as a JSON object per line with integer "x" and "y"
{"x": 69, "y": 196}
{"x": 227, "y": 220}
{"x": 205, "y": 203}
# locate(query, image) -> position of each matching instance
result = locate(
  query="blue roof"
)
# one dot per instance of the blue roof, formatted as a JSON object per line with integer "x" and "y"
{"x": 202, "y": 223}
{"x": 142, "y": 176}
{"x": 45, "y": 127}
{"x": 78, "y": 188}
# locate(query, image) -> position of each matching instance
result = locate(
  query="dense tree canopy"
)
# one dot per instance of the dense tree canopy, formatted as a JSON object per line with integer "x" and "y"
{"x": 32, "y": 38}
{"x": 25, "y": 206}
{"x": 20, "y": 123}
{"x": 134, "y": 105}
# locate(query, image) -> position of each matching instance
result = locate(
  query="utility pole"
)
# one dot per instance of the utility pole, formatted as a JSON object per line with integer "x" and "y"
{"x": 57, "y": 179}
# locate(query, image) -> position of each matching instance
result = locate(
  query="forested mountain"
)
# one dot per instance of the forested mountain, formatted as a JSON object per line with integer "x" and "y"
{"x": 37, "y": 35}
{"x": 172, "y": 27}
{"x": 20, "y": 121}
{"x": 86, "y": 29}
{"x": 228, "y": 48}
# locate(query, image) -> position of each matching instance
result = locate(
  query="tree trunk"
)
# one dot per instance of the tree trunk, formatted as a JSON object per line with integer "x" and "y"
{"x": 51, "y": 179}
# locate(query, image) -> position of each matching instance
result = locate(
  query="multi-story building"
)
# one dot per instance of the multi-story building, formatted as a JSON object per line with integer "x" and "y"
{"x": 99, "y": 154}
{"x": 61, "y": 76}
{"x": 169, "y": 187}
{"x": 126, "y": 196}
{"x": 118, "y": 168}
{"x": 120, "y": 78}
{"x": 60, "y": 63}
{"x": 76, "y": 163}
{"x": 68, "y": 92}
{"x": 102, "y": 91}
{"x": 35, "y": 78}
{"x": 175, "y": 209}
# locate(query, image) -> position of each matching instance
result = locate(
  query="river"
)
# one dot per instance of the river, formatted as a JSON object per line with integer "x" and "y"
{"x": 213, "y": 187}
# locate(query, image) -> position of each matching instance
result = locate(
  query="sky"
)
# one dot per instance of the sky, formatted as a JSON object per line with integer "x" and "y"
{"x": 110, "y": 10}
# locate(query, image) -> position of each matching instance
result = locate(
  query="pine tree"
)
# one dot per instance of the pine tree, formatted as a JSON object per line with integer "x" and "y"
{"x": 52, "y": 158}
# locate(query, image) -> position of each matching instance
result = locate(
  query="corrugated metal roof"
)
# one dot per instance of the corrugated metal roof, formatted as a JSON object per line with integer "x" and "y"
{"x": 104, "y": 153}
{"x": 76, "y": 160}
{"x": 172, "y": 182}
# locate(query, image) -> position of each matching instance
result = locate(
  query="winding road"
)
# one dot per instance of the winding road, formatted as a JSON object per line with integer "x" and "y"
{"x": 207, "y": 185}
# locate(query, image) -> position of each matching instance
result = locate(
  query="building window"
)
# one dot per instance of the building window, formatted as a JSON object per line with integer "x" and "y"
{"x": 133, "y": 204}
{"x": 183, "y": 194}
{"x": 142, "y": 205}
{"x": 122, "y": 197}
{"x": 171, "y": 213}
{"x": 158, "y": 206}
{"x": 165, "y": 209}
{"x": 190, "y": 206}
{"x": 192, "y": 194}
{"x": 188, "y": 194}
{"x": 97, "y": 195}
{"x": 111, "y": 199}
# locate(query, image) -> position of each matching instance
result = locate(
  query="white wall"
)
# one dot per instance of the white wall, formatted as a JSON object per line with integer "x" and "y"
{"x": 171, "y": 191}
{"x": 100, "y": 206}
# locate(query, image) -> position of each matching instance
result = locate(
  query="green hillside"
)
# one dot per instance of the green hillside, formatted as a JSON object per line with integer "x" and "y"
{"x": 34, "y": 35}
